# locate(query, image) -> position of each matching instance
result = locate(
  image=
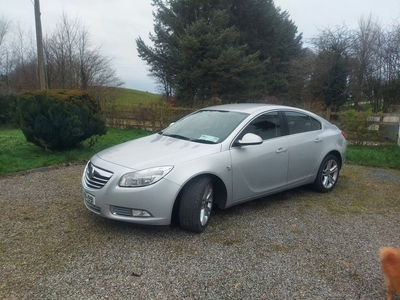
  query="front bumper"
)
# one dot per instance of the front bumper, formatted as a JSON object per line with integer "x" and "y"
{"x": 117, "y": 203}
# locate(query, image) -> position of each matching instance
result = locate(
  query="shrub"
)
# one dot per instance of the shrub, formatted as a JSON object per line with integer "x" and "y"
{"x": 8, "y": 108}
{"x": 59, "y": 119}
{"x": 359, "y": 126}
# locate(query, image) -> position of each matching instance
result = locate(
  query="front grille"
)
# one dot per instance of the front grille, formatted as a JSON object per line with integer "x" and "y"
{"x": 121, "y": 211}
{"x": 96, "y": 177}
{"x": 92, "y": 207}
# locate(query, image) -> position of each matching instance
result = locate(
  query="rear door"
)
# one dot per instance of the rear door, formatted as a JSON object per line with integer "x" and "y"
{"x": 306, "y": 140}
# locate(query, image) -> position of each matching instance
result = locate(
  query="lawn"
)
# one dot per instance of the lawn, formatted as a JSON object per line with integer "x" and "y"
{"x": 16, "y": 154}
{"x": 375, "y": 156}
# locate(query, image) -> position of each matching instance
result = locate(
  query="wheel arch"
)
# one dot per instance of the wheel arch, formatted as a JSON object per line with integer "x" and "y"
{"x": 338, "y": 156}
{"x": 326, "y": 180}
{"x": 220, "y": 194}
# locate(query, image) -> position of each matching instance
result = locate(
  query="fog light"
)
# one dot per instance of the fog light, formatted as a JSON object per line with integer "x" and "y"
{"x": 140, "y": 213}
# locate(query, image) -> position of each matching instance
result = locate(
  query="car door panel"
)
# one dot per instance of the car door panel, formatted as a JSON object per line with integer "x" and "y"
{"x": 305, "y": 154}
{"x": 306, "y": 142}
{"x": 259, "y": 169}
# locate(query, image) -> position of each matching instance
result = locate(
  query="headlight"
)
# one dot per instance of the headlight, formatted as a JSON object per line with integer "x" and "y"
{"x": 144, "y": 177}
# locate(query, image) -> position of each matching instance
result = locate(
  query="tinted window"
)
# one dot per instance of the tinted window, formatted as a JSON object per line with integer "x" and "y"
{"x": 315, "y": 124}
{"x": 266, "y": 126}
{"x": 298, "y": 122}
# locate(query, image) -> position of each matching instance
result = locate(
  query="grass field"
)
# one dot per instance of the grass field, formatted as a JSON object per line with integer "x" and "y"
{"x": 128, "y": 98}
{"x": 135, "y": 97}
{"x": 379, "y": 156}
{"x": 16, "y": 154}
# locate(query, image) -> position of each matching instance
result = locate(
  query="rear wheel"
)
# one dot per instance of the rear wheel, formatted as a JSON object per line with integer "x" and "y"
{"x": 328, "y": 174}
{"x": 196, "y": 204}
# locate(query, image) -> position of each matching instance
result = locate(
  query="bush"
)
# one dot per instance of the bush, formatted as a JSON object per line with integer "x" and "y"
{"x": 359, "y": 126}
{"x": 59, "y": 119}
{"x": 8, "y": 109}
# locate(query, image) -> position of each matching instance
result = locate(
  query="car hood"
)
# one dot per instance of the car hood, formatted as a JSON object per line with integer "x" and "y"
{"x": 156, "y": 150}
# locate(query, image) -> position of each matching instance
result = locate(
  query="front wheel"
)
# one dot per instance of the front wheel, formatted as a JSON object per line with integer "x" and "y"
{"x": 328, "y": 174}
{"x": 196, "y": 204}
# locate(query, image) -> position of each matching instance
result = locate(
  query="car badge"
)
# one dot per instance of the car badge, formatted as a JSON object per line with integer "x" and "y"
{"x": 90, "y": 171}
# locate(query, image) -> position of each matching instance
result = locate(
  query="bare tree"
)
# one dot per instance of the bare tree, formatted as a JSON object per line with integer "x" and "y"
{"x": 365, "y": 63}
{"x": 70, "y": 59}
{"x": 4, "y": 29}
{"x": 23, "y": 71}
{"x": 375, "y": 79}
{"x": 72, "y": 62}
{"x": 360, "y": 67}
{"x": 390, "y": 68}
{"x": 17, "y": 57}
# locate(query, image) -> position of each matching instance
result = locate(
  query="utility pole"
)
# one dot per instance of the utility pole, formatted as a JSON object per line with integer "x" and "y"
{"x": 39, "y": 42}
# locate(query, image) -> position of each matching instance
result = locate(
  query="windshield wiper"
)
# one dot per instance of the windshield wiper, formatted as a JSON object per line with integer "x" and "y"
{"x": 177, "y": 136}
{"x": 202, "y": 141}
{"x": 181, "y": 137}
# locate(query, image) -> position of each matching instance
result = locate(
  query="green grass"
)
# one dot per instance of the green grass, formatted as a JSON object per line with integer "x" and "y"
{"x": 16, "y": 154}
{"x": 130, "y": 97}
{"x": 375, "y": 156}
{"x": 135, "y": 97}
{"x": 127, "y": 99}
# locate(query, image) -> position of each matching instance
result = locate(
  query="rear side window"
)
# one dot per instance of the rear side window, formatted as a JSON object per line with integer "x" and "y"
{"x": 298, "y": 122}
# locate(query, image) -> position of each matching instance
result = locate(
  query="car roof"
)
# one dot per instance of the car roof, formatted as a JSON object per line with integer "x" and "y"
{"x": 248, "y": 108}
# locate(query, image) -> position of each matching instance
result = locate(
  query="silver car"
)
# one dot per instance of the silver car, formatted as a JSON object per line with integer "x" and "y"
{"x": 217, "y": 156}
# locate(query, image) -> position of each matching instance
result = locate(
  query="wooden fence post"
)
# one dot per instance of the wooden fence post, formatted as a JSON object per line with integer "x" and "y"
{"x": 328, "y": 113}
{"x": 398, "y": 134}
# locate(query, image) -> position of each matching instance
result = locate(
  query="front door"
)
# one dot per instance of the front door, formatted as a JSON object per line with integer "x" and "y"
{"x": 259, "y": 169}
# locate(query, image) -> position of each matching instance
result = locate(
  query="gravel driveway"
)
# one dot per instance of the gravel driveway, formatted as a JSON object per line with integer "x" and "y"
{"x": 295, "y": 245}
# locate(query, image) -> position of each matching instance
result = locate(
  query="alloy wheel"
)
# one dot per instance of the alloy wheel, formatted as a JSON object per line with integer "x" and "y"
{"x": 206, "y": 204}
{"x": 330, "y": 173}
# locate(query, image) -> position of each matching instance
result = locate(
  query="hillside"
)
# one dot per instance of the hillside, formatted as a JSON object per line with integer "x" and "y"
{"x": 129, "y": 96}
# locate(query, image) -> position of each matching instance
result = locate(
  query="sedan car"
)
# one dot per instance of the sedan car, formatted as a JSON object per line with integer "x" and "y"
{"x": 217, "y": 156}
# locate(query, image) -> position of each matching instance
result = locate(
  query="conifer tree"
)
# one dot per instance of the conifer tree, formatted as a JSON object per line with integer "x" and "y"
{"x": 235, "y": 50}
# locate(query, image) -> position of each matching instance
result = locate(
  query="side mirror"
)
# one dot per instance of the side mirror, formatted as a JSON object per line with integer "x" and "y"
{"x": 249, "y": 139}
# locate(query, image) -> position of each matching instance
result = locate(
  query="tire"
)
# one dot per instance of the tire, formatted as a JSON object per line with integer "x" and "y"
{"x": 328, "y": 174}
{"x": 196, "y": 204}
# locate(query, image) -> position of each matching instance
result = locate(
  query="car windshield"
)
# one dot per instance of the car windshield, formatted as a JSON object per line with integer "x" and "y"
{"x": 205, "y": 126}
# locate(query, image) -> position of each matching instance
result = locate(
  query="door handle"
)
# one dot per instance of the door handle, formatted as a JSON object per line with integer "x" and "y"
{"x": 281, "y": 150}
{"x": 317, "y": 140}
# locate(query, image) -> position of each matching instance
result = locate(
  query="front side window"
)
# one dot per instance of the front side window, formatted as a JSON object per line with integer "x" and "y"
{"x": 299, "y": 122}
{"x": 266, "y": 126}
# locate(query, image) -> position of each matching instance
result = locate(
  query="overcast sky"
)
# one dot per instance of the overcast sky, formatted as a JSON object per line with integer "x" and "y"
{"x": 115, "y": 24}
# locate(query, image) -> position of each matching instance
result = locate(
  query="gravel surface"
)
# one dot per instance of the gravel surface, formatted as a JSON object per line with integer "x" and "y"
{"x": 295, "y": 245}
